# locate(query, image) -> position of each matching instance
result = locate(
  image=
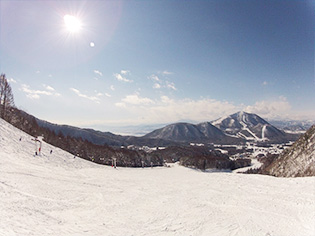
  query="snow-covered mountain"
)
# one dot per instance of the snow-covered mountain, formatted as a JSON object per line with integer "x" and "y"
{"x": 293, "y": 126}
{"x": 56, "y": 194}
{"x": 186, "y": 132}
{"x": 178, "y": 132}
{"x": 249, "y": 127}
{"x": 234, "y": 129}
{"x": 210, "y": 131}
{"x": 299, "y": 160}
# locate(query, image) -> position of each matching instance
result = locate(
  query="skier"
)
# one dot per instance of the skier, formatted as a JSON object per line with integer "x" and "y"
{"x": 50, "y": 151}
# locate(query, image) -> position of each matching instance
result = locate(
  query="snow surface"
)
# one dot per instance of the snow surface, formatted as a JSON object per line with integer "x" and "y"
{"x": 55, "y": 194}
{"x": 255, "y": 164}
{"x": 263, "y": 130}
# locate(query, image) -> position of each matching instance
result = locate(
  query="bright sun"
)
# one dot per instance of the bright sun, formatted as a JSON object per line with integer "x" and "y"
{"x": 73, "y": 24}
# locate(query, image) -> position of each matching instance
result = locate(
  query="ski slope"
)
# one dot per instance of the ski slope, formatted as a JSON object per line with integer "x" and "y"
{"x": 55, "y": 194}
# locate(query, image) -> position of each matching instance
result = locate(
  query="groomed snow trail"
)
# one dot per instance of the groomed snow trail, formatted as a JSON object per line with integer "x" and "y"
{"x": 56, "y": 194}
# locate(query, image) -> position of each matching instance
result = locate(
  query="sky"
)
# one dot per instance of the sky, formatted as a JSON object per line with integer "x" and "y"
{"x": 159, "y": 62}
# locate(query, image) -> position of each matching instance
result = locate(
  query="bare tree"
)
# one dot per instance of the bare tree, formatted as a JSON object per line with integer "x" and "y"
{"x": 6, "y": 96}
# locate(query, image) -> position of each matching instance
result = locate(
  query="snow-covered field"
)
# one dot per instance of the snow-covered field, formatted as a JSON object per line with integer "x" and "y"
{"x": 55, "y": 194}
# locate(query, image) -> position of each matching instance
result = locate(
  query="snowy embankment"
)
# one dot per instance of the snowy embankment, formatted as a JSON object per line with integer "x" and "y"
{"x": 55, "y": 194}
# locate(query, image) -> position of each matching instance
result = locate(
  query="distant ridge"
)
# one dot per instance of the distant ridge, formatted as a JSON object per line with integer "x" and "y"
{"x": 234, "y": 129}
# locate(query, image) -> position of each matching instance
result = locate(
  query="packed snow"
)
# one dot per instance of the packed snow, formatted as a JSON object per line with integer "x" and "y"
{"x": 57, "y": 194}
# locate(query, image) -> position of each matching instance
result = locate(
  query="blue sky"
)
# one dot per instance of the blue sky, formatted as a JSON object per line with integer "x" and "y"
{"x": 159, "y": 62}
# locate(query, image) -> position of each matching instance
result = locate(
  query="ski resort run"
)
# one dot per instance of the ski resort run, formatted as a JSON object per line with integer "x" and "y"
{"x": 53, "y": 193}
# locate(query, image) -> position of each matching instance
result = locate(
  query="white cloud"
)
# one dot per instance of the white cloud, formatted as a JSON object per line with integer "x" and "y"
{"x": 124, "y": 72}
{"x": 145, "y": 110}
{"x": 189, "y": 109}
{"x": 167, "y": 72}
{"x": 134, "y": 99}
{"x": 35, "y": 94}
{"x": 120, "y": 104}
{"x": 47, "y": 87}
{"x": 32, "y": 96}
{"x": 156, "y": 86}
{"x": 271, "y": 109}
{"x": 121, "y": 78}
{"x": 98, "y": 72}
{"x": 165, "y": 99}
{"x": 92, "y": 98}
{"x": 112, "y": 87}
{"x": 108, "y": 95}
{"x": 264, "y": 83}
{"x": 167, "y": 110}
{"x": 155, "y": 78}
{"x": 11, "y": 80}
{"x": 159, "y": 83}
{"x": 170, "y": 85}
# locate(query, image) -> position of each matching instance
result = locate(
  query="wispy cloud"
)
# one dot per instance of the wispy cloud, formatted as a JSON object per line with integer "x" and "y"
{"x": 271, "y": 109}
{"x": 167, "y": 72}
{"x": 156, "y": 86}
{"x": 49, "y": 88}
{"x": 120, "y": 104}
{"x": 144, "y": 110}
{"x": 122, "y": 76}
{"x": 35, "y": 94}
{"x": 112, "y": 87}
{"x": 11, "y": 80}
{"x": 135, "y": 99}
{"x": 98, "y": 72}
{"x": 166, "y": 110}
{"x": 92, "y": 98}
{"x": 157, "y": 81}
{"x": 205, "y": 109}
{"x": 170, "y": 85}
{"x": 160, "y": 83}
{"x": 155, "y": 78}
{"x": 124, "y": 72}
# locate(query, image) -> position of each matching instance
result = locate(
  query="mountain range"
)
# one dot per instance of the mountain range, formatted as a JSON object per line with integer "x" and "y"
{"x": 234, "y": 129}
{"x": 293, "y": 126}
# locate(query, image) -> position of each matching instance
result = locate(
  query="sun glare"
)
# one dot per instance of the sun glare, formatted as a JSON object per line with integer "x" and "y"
{"x": 73, "y": 24}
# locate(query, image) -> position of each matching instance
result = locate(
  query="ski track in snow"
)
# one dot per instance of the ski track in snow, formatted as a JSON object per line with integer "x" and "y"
{"x": 263, "y": 130}
{"x": 55, "y": 194}
{"x": 248, "y": 130}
